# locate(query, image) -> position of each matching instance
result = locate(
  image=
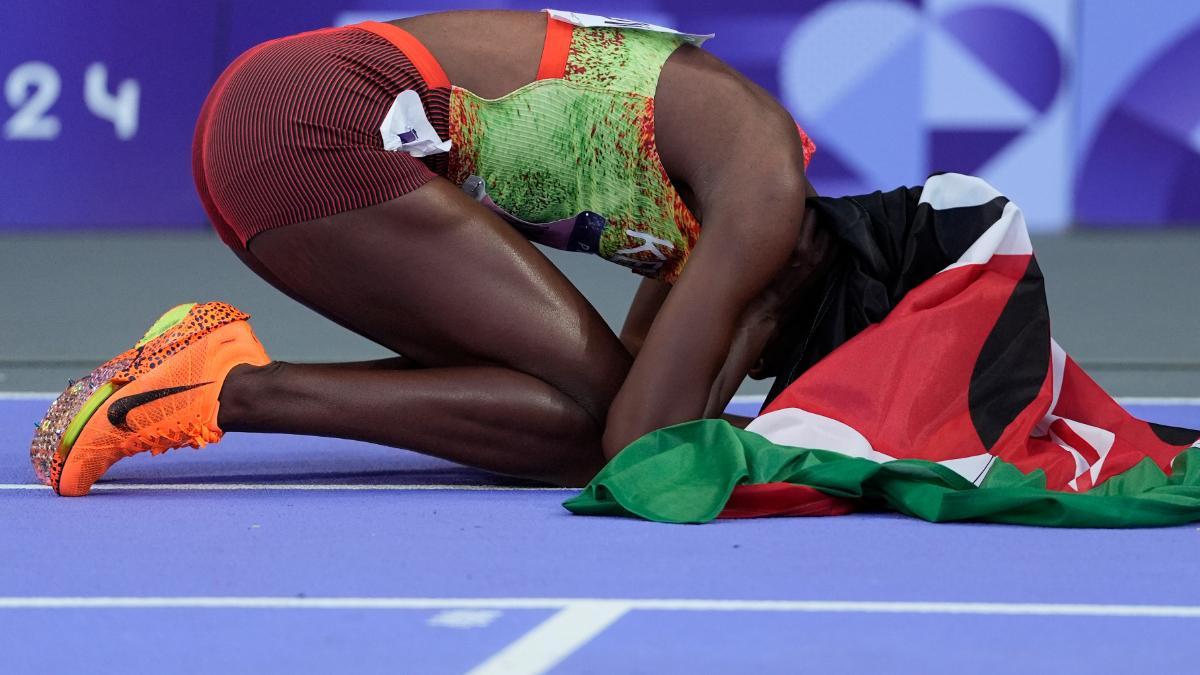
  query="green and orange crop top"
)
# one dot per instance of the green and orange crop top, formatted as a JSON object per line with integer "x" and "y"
{"x": 570, "y": 159}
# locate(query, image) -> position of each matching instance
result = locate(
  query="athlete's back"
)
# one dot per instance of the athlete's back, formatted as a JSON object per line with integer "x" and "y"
{"x": 489, "y": 52}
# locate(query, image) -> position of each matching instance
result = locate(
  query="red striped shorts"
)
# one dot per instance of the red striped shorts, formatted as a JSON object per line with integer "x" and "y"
{"x": 290, "y": 131}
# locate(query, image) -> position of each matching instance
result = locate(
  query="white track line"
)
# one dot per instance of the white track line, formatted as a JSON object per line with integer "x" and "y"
{"x": 741, "y": 399}
{"x": 673, "y": 605}
{"x": 554, "y": 639}
{"x": 311, "y": 487}
{"x": 1158, "y": 400}
{"x": 1123, "y": 400}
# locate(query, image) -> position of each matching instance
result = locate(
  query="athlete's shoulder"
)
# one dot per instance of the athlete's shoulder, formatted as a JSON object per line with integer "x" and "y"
{"x": 710, "y": 117}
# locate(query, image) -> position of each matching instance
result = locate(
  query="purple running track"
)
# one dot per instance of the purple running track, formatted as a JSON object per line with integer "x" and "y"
{"x": 232, "y": 522}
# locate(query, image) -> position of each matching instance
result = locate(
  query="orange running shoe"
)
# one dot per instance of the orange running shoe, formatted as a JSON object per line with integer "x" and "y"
{"x": 162, "y": 394}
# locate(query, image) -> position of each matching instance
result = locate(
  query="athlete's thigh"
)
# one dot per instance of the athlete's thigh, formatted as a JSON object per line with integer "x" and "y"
{"x": 440, "y": 279}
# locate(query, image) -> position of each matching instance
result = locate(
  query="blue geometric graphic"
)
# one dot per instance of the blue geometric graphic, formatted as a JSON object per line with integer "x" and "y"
{"x": 899, "y": 91}
{"x": 1142, "y": 164}
{"x": 1083, "y": 111}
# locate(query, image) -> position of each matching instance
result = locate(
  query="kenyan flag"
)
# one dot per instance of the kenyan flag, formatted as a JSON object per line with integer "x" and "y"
{"x": 944, "y": 397}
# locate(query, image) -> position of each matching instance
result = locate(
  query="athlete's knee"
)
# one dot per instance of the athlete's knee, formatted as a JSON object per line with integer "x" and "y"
{"x": 594, "y": 385}
{"x": 563, "y": 440}
{"x": 585, "y": 461}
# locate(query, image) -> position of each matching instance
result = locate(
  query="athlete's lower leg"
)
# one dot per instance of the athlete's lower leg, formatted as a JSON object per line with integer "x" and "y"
{"x": 492, "y": 418}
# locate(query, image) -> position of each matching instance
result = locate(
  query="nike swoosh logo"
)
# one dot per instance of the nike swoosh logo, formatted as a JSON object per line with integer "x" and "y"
{"x": 120, "y": 409}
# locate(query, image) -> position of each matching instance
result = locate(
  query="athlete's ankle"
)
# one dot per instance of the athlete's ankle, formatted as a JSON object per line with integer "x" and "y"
{"x": 242, "y": 387}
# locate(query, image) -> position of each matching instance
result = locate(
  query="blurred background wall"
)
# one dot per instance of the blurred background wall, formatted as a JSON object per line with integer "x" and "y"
{"x": 1085, "y": 112}
{"x": 1060, "y": 103}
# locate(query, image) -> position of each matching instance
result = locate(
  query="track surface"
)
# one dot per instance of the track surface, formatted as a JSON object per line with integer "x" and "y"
{"x": 302, "y": 555}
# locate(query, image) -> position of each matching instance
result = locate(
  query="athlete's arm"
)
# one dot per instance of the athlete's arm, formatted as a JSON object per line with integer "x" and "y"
{"x": 754, "y": 331}
{"x": 646, "y": 302}
{"x": 674, "y": 373}
{"x": 751, "y": 189}
{"x": 757, "y": 328}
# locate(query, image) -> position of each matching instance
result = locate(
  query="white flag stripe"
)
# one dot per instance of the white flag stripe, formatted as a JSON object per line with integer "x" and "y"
{"x": 1058, "y": 365}
{"x": 800, "y": 428}
{"x": 1100, "y": 439}
{"x": 1007, "y": 236}
{"x": 955, "y": 191}
{"x": 1081, "y": 464}
{"x": 972, "y": 468}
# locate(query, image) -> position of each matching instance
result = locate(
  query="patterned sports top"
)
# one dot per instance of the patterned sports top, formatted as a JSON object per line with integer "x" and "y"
{"x": 570, "y": 159}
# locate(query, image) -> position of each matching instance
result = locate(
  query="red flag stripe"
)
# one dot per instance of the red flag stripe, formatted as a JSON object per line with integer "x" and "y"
{"x": 1067, "y": 435}
{"x": 783, "y": 499}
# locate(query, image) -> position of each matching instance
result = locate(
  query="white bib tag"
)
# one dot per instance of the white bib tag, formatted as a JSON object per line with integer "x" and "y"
{"x": 595, "y": 21}
{"x": 407, "y": 129}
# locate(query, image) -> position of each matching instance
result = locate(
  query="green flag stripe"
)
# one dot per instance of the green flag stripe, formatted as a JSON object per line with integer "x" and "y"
{"x": 686, "y": 473}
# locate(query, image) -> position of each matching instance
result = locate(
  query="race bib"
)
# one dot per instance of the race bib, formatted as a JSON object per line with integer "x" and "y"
{"x": 407, "y": 129}
{"x": 595, "y": 21}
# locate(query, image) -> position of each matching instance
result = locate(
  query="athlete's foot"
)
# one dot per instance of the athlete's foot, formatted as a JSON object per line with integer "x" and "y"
{"x": 162, "y": 394}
